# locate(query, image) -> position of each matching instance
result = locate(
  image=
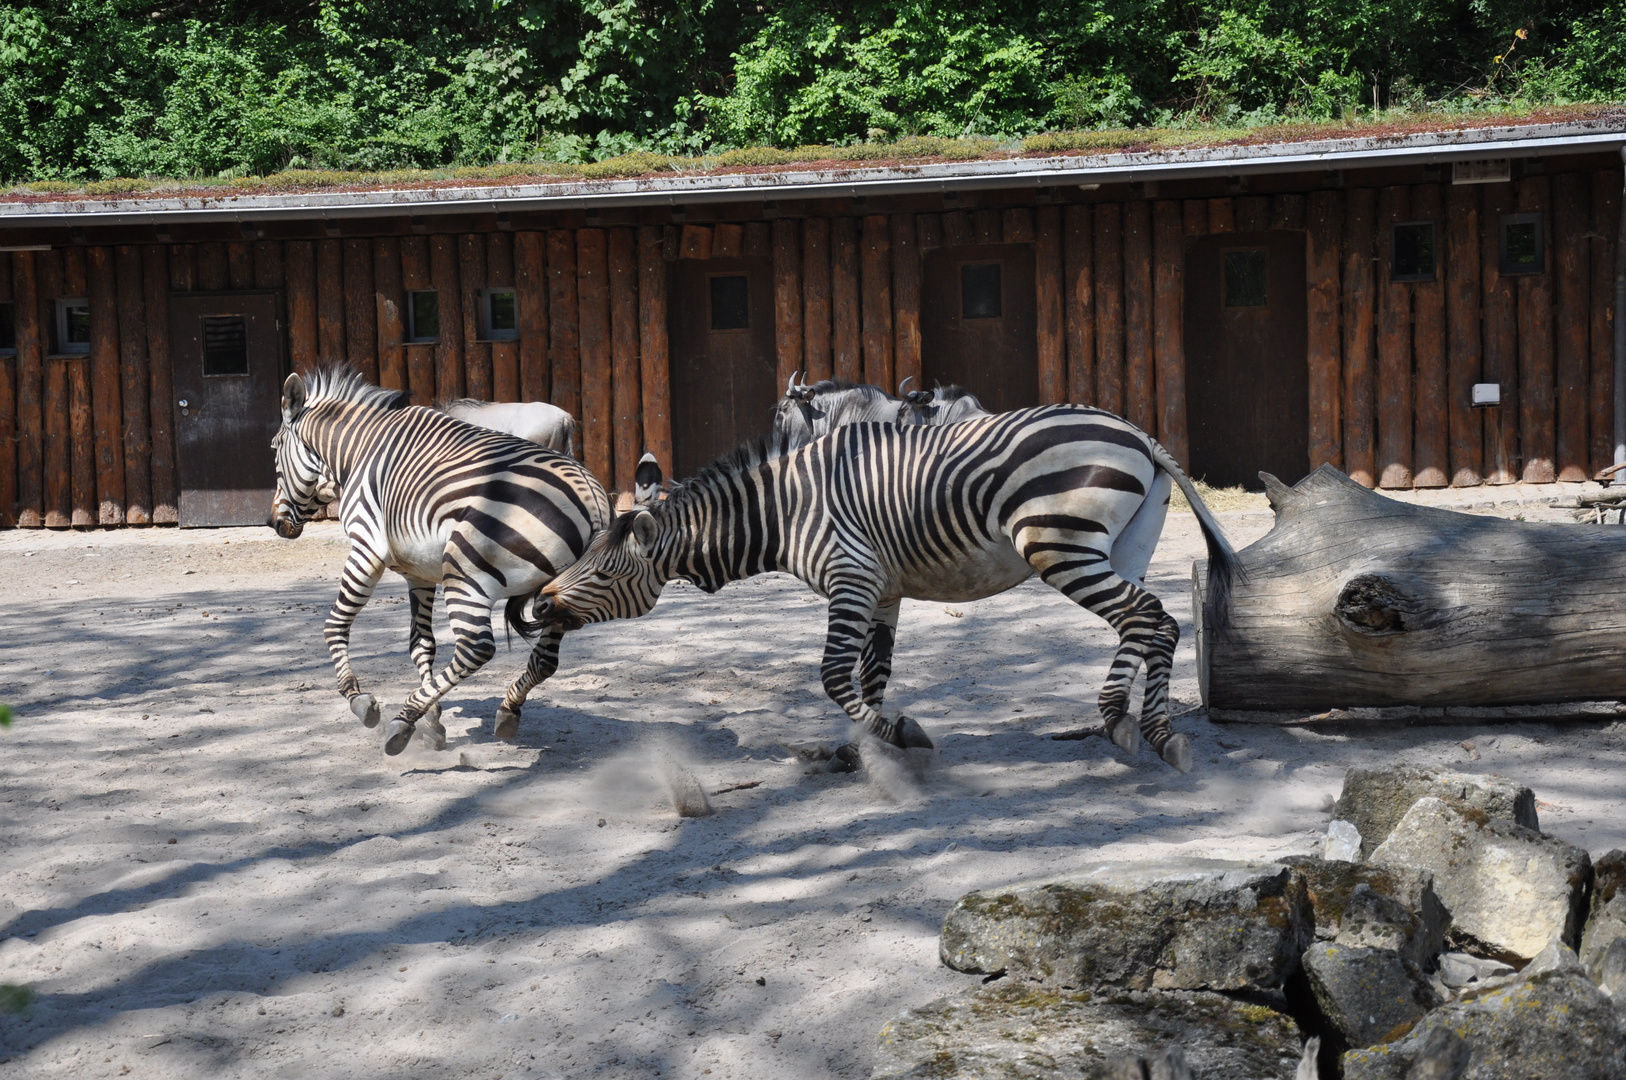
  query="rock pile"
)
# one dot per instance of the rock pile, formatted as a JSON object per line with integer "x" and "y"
{"x": 1449, "y": 939}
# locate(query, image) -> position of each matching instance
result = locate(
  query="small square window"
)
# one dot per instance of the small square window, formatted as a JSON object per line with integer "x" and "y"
{"x": 423, "y": 315}
{"x": 1522, "y": 250}
{"x": 225, "y": 345}
{"x": 1245, "y": 276}
{"x": 8, "y": 327}
{"x": 73, "y": 326}
{"x": 1413, "y": 252}
{"x": 730, "y": 302}
{"x": 981, "y": 293}
{"x": 499, "y": 315}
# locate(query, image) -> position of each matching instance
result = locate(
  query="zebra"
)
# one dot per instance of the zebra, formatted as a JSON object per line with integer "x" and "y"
{"x": 486, "y": 515}
{"x": 536, "y": 421}
{"x": 812, "y": 410}
{"x": 877, "y": 512}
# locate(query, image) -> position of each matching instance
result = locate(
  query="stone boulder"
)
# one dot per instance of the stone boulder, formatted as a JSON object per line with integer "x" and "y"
{"x": 1357, "y": 904}
{"x": 1374, "y": 800}
{"x": 1603, "y": 944}
{"x": 1550, "y": 1022}
{"x": 1016, "y": 1031}
{"x": 1366, "y": 995}
{"x": 1178, "y": 924}
{"x": 1507, "y": 887}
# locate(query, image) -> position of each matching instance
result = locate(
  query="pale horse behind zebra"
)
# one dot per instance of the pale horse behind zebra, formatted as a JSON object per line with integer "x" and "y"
{"x": 809, "y": 411}
{"x": 876, "y": 512}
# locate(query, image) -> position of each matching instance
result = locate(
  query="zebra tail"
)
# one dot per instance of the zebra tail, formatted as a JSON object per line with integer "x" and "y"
{"x": 1223, "y": 567}
{"x": 514, "y": 610}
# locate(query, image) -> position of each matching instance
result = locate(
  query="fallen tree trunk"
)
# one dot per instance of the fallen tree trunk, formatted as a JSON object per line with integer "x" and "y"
{"x": 1354, "y": 600}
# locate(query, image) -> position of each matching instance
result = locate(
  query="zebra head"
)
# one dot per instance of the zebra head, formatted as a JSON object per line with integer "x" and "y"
{"x": 304, "y": 482}
{"x": 616, "y": 577}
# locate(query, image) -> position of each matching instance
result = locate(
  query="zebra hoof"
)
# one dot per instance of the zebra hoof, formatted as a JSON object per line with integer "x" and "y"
{"x": 507, "y": 726}
{"x": 912, "y": 736}
{"x": 845, "y": 759}
{"x": 400, "y": 734}
{"x": 433, "y": 712}
{"x": 1177, "y": 752}
{"x": 434, "y": 735}
{"x": 366, "y": 709}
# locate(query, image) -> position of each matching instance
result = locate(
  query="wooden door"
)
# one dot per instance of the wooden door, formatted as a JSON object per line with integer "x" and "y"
{"x": 1247, "y": 358}
{"x": 226, "y": 351}
{"x": 978, "y": 323}
{"x": 720, "y": 321}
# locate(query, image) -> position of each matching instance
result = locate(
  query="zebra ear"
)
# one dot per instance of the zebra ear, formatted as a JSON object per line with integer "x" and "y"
{"x": 643, "y": 533}
{"x": 293, "y": 398}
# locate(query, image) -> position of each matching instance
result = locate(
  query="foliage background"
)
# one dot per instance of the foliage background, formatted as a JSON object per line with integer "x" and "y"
{"x": 91, "y": 89}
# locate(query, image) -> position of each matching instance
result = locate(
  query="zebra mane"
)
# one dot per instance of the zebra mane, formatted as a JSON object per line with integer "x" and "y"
{"x": 342, "y": 382}
{"x": 721, "y": 472}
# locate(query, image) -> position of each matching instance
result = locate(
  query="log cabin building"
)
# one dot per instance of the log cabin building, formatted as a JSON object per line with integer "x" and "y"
{"x": 1264, "y": 306}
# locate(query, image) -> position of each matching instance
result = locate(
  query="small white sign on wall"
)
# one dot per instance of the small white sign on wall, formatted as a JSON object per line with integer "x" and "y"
{"x": 1487, "y": 394}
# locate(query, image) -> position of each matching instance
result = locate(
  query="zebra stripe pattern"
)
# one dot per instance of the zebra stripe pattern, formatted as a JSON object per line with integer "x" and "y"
{"x": 874, "y": 513}
{"x": 485, "y": 515}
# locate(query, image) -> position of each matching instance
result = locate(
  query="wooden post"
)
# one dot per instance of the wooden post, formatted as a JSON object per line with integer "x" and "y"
{"x": 758, "y": 242}
{"x": 329, "y": 301}
{"x": 420, "y": 358}
{"x": 471, "y": 276}
{"x": 564, "y": 346}
{"x": 654, "y": 368}
{"x": 1017, "y": 225}
{"x": 1169, "y": 339}
{"x": 390, "y": 313}
{"x": 240, "y": 265}
{"x": 1140, "y": 395}
{"x": 1431, "y": 431}
{"x": 360, "y": 309}
{"x": 531, "y": 293}
{"x": 299, "y": 270}
{"x": 906, "y": 301}
{"x": 1252, "y": 213}
{"x": 1221, "y": 216}
{"x": 1324, "y": 220}
{"x": 105, "y": 397}
{"x": 443, "y": 276}
{"x": 268, "y": 269}
{"x": 1194, "y": 217}
{"x": 82, "y": 445}
{"x": 593, "y": 288}
{"x": 1049, "y": 281}
{"x": 1078, "y": 299}
{"x": 1394, "y": 349}
{"x": 816, "y": 298}
{"x": 624, "y": 333}
{"x": 957, "y": 229}
{"x": 1459, "y": 262}
{"x": 848, "y": 360}
{"x": 30, "y": 390}
{"x": 1605, "y": 223}
{"x": 212, "y": 275}
{"x": 1109, "y": 308}
{"x": 1499, "y": 315}
{"x": 58, "y": 444}
{"x": 504, "y": 354}
{"x": 1572, "y": 207}
{"x": 987, "y": 227}
{"x": 161, "y": 387}
{"x": 695, "y": 242}
{"x": 877, "y": 304}
{"x": 8, "y": 433}
{"x": 929, "y": 231}
{"x": 1287, "y": 212}
{"x": 183, "y": 267}
{"x": 1359, "y": 343}
{"x": 787, "y": 303}
{"x": 727, "y": 242}
{"x": 134, "y": 386}
{"x": 1536, "y": 412}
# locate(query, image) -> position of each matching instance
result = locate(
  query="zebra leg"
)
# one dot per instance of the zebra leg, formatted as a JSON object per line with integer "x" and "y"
{"x": 543, "y": 663}
{"x": 469, "y": 611}
{"x": 875, "y": 665}
{"x": 421, "y": 646}
{"x": 1154, "y": 713}
{"x": 853, "y": 613}
{"x": 361, "y": 573}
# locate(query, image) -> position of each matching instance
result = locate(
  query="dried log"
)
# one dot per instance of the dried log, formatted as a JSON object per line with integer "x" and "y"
{"x": 106, "y": 408}
{"x": 1018, "y": 225}
{"x": 299, "y": 268}
{"x": 1354, "y": 600}
{"x": 787, "y": 301}
{"x": 240, "y": 265}
{"x": 654, "y": 373}
{"x": 1049, "y": 282}
{"x": 1394, "y": 350}
{"x": 471, "y": 272}
{"x": 1140, "y": 400}
{"x": 876, "y": 307}
{"x": 848, "y": 362}
{"x": 816, "y": 297}
{"x": 1359, "y": 342}
{"x": 390, "y": 300}
{"x": 82, "y": 434}
{"x": 1169, "y": 338}
{"x": 30, "y": 371}
{"x": 1109, "y": 308}
{"x": 1078, "y": 296}
{"x": 531, "y": 294}
{"x": 1460, "y": 266}
{"x": 58, "y": 494}
{"x": 155, "y": 260}
{"x": 593, "y": 292}
{"x": 1605, "y": 219}
{"x": 329, "y": 299}
{"x": 1536, "y": 397}
{"x": 443, "y": 277}
{"x": 1326, "y": 211}
{"x": 624, "y": 376}
{"x": 564, "y": 323}
{"x": 1501, "y": 342}
{"x": 1572, "y": 208}
{"x": 906, "y": 302}
{"x": 133, "y": 384}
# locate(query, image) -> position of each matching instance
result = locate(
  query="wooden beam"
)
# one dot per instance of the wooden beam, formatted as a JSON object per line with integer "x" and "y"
{"x": 1078, "y": 300}
{"x": 695, "y": 242}
{"x": 57, "y": 408}
{"x": 330, "y": 301}
{"x": 758, "y": 242}
{"x": 564, "y": 321}
{"x": 848, "y": 360}
{"x": 1500, "y": 326}
{"x": 299, "y": 269}
{"x": 105, "y": 397}
{"x": 8, "y": 411}
{"x": 1536, "y": 405}
{"x": 1017, "y": 225}
{"x": 1605, "y": 225}
{"x": 212, "y": 273}
{"x": 443, "y": 277}
{"x": 504, "y": 354}
{"x": 82, "y": 442}
{"x": 268, "y": 264}
{"x": 1221, "y": 216}
{"x": 1360, "y": 344}
{"x": 1140, "y": 394}
{"x": 1431, "y": 427}
{"x": 1109, "y": 308}
{"x": 727, "y": 242}
{"x": 956, "y": 228}
{"x": 787, "y": 302}
{"x": 876, "y": 272}
{"x": 1169, "y": 340}
{"x": 1050, "y": 325}
{"x": 593, "y": 288}
{"x": 987, "y": 227}
{"x": 929, "y": 231}
{"x": 1459, "y": 263}
{"x": 531, "y": 293}
{"x": 471, "y": 276}
{"x": 183, "y": 267}
{"x": 1287, "y": 211}
{"x": 654, "y": 359}
{"x": 1194, "y": 217}
{"x": 31, "y": 337}
{"x": 360, "y": 309}
{"x": 628, "y": 436}
{"x": 390, "y": 313}
{"x": 906, "y": 299}
{"x": 1571, "y": 218}
{"x": 240, "y": 265}
{"x": 1394, "y": 397}
{"x": 420, "y": 358}
{"x": 1252, "y": 213}
{"x": 1324, "y": 219}
{"x": 134, "y": 385}
{"x": 816, "y": 357}
{"x": 155, "y": 278}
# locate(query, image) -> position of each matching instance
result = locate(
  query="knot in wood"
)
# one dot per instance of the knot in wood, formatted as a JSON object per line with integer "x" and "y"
{"x": 1373, "y": 604}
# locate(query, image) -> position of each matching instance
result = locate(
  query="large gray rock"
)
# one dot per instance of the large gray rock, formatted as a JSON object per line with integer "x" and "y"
{"x": 1374, "y": 800}
{"x": 1022, "y": 1032}
{"x": 1551, "y": 1022}
{"x": 1603, "y": 944}
{"x": 1507, "y": 887}
{"x": 1359, "y": 904}
{"x": 1367, "y": 995}
{"x": 1179, "y": 924}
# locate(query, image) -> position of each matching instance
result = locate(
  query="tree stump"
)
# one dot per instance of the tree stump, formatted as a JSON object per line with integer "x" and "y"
{"x": 1357, "y": 601}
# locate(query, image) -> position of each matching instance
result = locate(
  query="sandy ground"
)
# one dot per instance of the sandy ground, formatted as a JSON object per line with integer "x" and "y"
{"x": 210, "y": 869}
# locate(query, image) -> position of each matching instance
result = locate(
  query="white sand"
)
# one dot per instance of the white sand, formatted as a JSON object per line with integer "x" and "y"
{"x": 539, "y": 909}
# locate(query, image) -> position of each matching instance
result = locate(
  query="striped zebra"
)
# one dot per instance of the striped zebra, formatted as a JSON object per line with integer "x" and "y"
{"x": 811, "y": 411}
{"x": 877, "y": 512}
{"x": 486, "y": 515}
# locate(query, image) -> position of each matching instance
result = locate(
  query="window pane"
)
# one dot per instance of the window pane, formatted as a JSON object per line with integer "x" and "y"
{"x": 504, "y": 311}
{"x": 8, "y": 325}
{"x": 1245, "y": 273}
{"x": 1413, "y": 251}
{"x": 730, "y": 303}
{"x": 425, "y": 315}
{"x": 980, "y": 294}
{"x": 225, "y": 345}
{"x": 78, "y": 327}
{"x": 1519, "y": 247}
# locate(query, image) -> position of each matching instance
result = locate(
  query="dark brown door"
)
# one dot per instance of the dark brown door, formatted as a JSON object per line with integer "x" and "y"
{"x": 720, "y": 318}
{"x": 226, "y": 349}
{"x": 1247, "y": 367}
{"x": 978, "y": 325}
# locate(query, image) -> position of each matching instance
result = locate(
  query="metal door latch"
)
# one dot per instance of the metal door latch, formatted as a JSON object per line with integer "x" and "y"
{"x": 183, "y": 404}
